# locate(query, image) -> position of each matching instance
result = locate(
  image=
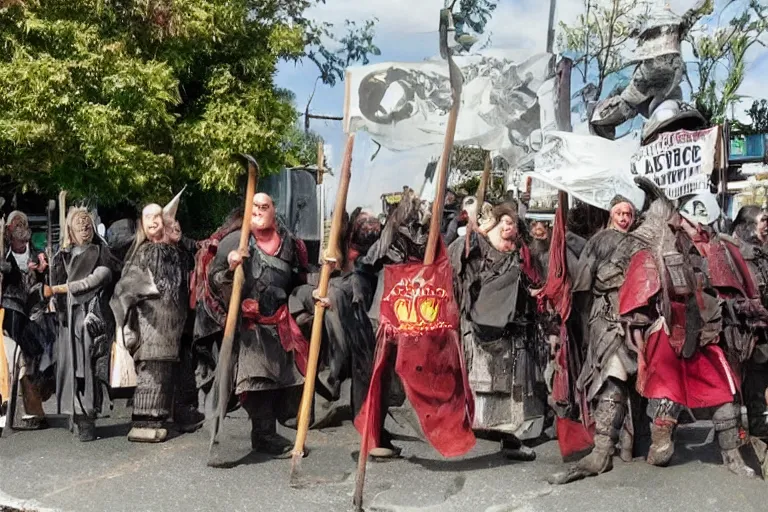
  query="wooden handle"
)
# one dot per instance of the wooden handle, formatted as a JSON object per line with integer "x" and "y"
{"x": 224, "y": 385}
{"x": 442, "y": 182}
{"x": 331, "y": 258}
{"x": 5, "y": 373}
{"x": 482, "y": 189}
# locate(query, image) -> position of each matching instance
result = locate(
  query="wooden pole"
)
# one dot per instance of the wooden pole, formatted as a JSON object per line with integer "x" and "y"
{"x": 62, "y": 215}
{"x": 442, "y": 180}
{"x": 330, "y": 261}
{"x": 551, "y": 26}
{"x": 5, "y": 373}
{"x": 223, "y": 386}
{"x": 434, "y": 227}
{"x": 482, "y": 189}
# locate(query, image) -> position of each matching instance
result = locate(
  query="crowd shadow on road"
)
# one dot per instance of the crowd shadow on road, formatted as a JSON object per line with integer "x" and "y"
{"x": 113, "y": 431}
{"x": 486, "y": 461}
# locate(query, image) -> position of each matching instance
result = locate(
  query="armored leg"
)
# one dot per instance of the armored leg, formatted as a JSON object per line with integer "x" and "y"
{"x": 609, "y": 417}
{"x": 663, "y": 413}
{"x": 730, "y": 437}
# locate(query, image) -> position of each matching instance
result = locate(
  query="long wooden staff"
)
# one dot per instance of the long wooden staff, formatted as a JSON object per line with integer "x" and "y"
{"x": 5, "y": 373}
{"x": 482, "y": 189}
{"x": 474, "y": 224}
{"x": 223, "y": 383}
{"x": 331, "y": 258}
{"x": 434, "y": 225}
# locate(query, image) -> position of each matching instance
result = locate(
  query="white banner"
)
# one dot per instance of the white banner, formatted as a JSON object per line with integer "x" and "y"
{"x": 406, "y": 105}
{"x": 680, "y": 162}
{"x": 591, "y": 169}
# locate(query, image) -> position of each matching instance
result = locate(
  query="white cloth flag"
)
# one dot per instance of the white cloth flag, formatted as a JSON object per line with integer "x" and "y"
{"x": 589, "y": 168}
{"x": 406, "y": 105}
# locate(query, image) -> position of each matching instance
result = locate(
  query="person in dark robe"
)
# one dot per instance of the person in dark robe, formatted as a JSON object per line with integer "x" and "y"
{"x": 120, "y": 236}
{"x": 502, "y": 349}
{"x": 150, "y": 305}
{"x": 83, "y": 273}
{"x": 403, "y": 239}
{"x": 348, "y": 336}
{"x": 451, "y": 209}
{"x": 750, "y": 228}
{"x": 186, "y": 415}
{"x": 540, "y": 240}
{"x": 270, "y": 351}
{"x": 24, "y": 273}
{"x": 608, "y": 364}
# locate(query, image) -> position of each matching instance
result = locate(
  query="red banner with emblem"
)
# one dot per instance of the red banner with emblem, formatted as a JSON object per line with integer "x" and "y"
{"x": 419, "y": 317}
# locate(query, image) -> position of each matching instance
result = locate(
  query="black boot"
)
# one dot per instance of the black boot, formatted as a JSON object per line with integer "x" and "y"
{"x": 513, "y": 449}
{"x": 85, "y": 428}
{"x": 730, "y": 437}
{"x": 609, "y": 418}
{"x": 265, "y": 439}
{"x": 188, "y": 419}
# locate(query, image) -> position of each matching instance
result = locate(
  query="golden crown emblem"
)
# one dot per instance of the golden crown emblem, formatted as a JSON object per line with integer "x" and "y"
{"x": 416, "y": 303}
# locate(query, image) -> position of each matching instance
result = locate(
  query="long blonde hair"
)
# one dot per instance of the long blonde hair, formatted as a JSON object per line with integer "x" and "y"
{"x": 66, "y": 241}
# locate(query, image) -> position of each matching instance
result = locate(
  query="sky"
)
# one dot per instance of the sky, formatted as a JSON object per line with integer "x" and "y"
{"x": 406, "y": 31}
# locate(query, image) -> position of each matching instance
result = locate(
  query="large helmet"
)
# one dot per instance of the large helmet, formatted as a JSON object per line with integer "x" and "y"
{"x": 671, "y": 116}
{"x": 701, "y": 208}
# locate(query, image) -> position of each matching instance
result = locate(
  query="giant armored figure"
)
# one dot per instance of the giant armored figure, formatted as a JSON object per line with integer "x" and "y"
{"x": 690, "y": 305}
{"x": 659, "y": 70}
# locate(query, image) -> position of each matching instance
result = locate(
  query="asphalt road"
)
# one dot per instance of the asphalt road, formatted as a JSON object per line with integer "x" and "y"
{"x": 50, "y": 470}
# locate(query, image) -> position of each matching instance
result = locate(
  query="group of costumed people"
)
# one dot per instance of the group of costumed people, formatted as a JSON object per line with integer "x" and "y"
{"x": 63, "y": 315}
{"x": 611, "y": 325}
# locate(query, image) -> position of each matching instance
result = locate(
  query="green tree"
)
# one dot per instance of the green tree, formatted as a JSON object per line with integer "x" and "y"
{"x": 721, "y": 60}
{"x": 758, "y": 113}
{"x": 127, "y": 99}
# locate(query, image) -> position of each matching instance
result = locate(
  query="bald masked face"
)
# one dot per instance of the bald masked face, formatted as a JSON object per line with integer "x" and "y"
{"x": 263, "y": 216}
{"x": 152, "y": 221}
{"x": 19, "y": 231}
{"x": 622, "y": 217}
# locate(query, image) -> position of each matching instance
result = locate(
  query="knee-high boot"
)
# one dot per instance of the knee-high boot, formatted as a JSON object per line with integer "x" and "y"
{"x": 730, "y": 437}
{"x": 609, "y": 416}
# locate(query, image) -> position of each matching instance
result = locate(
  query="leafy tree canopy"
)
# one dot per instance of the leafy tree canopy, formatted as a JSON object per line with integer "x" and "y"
{"x": 127, "y": 99}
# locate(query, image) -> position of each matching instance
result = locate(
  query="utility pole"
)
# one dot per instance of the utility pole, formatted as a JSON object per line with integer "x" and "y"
{"x": 551, "y": 29}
